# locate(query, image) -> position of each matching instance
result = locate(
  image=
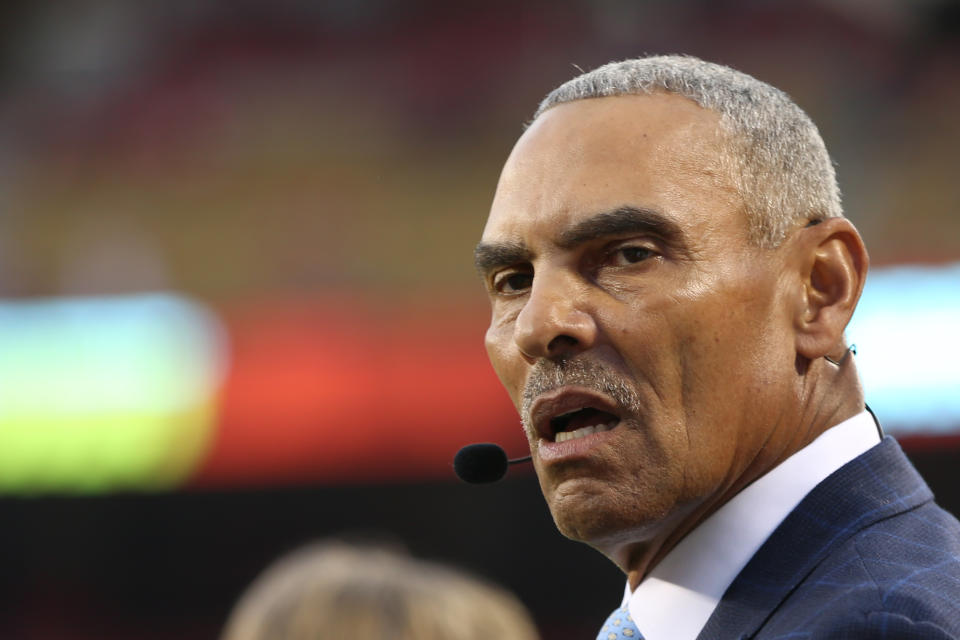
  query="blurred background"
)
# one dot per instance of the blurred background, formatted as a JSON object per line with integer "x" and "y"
{"x": 237, "y": 304}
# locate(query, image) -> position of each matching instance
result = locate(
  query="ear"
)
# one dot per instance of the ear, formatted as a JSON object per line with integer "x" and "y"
{"x": 833, "y": 263}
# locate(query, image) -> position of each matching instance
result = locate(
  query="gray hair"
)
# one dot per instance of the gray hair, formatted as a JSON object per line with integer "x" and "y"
{"x": 780, "y": 165}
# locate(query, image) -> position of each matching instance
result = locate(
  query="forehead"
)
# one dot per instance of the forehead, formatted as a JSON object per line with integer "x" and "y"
{"x": 659, "y": 152}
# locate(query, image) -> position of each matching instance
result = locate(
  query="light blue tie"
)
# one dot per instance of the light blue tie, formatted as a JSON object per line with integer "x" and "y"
{"x": 619, "y": 626}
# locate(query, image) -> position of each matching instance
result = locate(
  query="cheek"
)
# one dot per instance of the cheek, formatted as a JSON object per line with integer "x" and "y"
{"x": 505, "y": 359}
{"x": 716, "y": 357}
{"x": 726, "y": 386}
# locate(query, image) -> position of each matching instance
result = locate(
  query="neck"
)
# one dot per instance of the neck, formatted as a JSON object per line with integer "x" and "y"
{"x": 832, "y": 393}
{"x": 829, "y": 393}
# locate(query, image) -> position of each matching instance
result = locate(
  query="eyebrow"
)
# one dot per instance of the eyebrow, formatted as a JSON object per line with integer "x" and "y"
{"x": 621, "y": 221}
{"x": 488, "y": 256}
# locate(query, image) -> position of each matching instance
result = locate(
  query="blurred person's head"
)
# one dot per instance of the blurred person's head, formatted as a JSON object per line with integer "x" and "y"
{"x": 335, "y": 591}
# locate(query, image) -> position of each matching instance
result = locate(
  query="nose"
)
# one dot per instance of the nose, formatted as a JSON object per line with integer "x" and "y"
{"x": 555, "y": 321}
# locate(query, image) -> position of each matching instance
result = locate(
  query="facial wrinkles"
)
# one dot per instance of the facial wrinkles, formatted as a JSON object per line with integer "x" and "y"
{"x": 547, "y": 375}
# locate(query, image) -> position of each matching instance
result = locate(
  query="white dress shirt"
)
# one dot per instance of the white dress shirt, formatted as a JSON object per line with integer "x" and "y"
{"x": 674, "y": 601}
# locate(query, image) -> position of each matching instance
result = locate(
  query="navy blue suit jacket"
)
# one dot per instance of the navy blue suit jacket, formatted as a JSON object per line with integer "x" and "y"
{"x": 866, "y": 554}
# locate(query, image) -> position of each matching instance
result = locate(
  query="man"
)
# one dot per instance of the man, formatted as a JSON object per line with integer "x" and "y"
{"x": 671, "y": 274}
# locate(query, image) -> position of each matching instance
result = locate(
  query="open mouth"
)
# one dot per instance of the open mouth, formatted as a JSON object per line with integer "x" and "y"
{"x": 580, "y": 423}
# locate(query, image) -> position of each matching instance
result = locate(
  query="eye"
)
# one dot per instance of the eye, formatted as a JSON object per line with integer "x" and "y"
{"x": 511, "y": 282}
{"x": 631, "y": 254}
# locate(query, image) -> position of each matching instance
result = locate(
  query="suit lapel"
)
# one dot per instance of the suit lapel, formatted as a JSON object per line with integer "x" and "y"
{"x": 875, "y": 485}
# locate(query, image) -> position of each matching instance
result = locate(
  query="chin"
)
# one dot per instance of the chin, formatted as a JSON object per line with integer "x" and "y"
{"x": 601, "y": 524}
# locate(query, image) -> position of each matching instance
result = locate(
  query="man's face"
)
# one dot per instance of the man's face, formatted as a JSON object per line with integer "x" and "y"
{"x": 641, "y": 336}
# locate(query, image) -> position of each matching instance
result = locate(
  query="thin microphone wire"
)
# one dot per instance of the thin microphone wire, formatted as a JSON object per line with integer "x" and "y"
{"x": 852, "y": 349}
{"x": 846, "y": 354}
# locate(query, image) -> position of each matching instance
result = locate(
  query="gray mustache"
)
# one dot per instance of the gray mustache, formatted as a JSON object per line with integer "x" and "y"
{"x": 548, "y": 375}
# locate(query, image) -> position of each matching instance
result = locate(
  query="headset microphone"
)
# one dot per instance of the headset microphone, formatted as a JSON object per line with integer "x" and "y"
{"x": 482, "y": 463}
{"x": 487, "y": 462}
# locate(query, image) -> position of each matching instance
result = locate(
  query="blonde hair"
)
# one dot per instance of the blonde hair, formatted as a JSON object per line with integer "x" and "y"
{"x": 332, "y": 591}
{"x": 779, "y": 163}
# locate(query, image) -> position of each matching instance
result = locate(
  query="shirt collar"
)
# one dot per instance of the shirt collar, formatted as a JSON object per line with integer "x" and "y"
{"x": 675, "y": 600}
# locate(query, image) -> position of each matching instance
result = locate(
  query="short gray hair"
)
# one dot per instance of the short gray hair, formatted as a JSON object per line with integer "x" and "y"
{"x": 780, "y": 164}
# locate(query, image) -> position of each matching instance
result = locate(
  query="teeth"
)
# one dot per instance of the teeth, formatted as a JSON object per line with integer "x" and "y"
{"x": 583, "y": 431}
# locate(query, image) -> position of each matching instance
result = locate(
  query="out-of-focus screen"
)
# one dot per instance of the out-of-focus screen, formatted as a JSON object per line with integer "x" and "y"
{"x": 237, "y": 302}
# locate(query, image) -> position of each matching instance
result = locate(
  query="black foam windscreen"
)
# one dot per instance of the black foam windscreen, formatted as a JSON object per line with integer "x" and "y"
{"x": 480, "y": 463}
